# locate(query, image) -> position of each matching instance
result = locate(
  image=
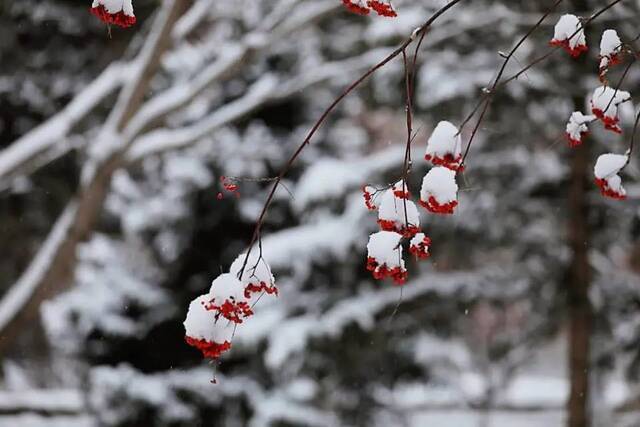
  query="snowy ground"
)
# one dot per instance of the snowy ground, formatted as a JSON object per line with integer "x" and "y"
{"x": 447, "y": 418}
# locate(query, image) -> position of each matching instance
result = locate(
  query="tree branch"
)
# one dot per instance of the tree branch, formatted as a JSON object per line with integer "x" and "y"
{"x": 54, "y": 265}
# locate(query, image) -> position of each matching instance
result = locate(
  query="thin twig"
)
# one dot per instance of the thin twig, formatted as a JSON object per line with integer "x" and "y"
{"x": 490, "y": 94}
{"x": 407, "y": 151}
{"x": 420, "y": 31}
{"x": 620, "y": 82}
{"x": 486, "y": 100}
{"x": 633, "y": 136}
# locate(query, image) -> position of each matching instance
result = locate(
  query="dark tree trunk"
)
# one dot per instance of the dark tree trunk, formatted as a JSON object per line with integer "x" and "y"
{"x": 579, "y": 307}
{"x": 579, "y": 277}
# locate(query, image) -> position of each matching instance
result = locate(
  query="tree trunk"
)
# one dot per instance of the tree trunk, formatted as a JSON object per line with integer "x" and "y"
{"x": 579, "y": 307}
{"x": 81, "y": 217}
{"x": 579, "y": 276}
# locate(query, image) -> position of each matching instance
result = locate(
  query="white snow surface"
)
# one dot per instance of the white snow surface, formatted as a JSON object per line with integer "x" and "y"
{"x": 607, "y": 168}
{"x": 417, "y": 239}
{"x": 607, "y": 99}
{"x": 444, "y": 140}
{"x": 331, "y": 178}
{"x": 567, "y": 26}
{"x": 393, "y": 209}
{"x": 226, "y": 287}
{"x": 49, "y": 134}
{"x": 32, "y": 420}
{"x": 19, "y": 295}
{"x": 268, "y": 406}
{"x": 609, "y": 165}
{"x": 53, "y": 400}
{"x": 440, "y": 183}
{"x": 115, "y": 6}
{"x": 610, "y": 44}
{"x": 257, "y": 268}
{"x": 201, "y": 323}
{"x": 578, "y": 124}
{"x": 111, "y": 275}
{"x": 385, "y": 247}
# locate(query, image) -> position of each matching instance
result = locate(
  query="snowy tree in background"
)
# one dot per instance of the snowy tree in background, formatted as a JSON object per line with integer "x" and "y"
{"x": 230, "y": 90}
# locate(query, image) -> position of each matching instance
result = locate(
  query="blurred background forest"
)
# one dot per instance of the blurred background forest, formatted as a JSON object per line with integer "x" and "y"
{"x": 110, "y": 222}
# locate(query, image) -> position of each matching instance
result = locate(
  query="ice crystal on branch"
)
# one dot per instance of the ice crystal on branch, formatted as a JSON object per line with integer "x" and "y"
{"x": 606, "y": 172}
{"x": 385, "y": 256}
{"x": 444, "y": 147}
{"x": 569, "y": 35}
{"x": 577, "y": 128}
{"x": 439, "y": 193}
{"x": 604, "y": 105}
{"x": 116, "y": 12}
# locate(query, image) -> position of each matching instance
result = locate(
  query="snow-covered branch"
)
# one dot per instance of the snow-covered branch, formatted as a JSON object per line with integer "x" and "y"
{"x": 24, "y": 290}
{"x": 54, "y": 265}
{"x": 24, "y": 153}
{"x": 230, "y": 60}
{"x": 44, "y": 143}
{"x": 46, "y": 402}
{"x": 267, "y": 89}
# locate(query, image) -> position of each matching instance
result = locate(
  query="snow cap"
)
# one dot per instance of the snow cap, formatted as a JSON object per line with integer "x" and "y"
{"x": 606, "y": 172}
{"x": 569, "y": 34}
{"x": 392, "y": 215}
{"x": 577, "y": 127}
{"x": 439, "y": 193}
{"x": 604, "y": 105}
{"x": 116, "y": 12}
{"x": 444, "y": 146}
{"x": 256, "y": 277}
